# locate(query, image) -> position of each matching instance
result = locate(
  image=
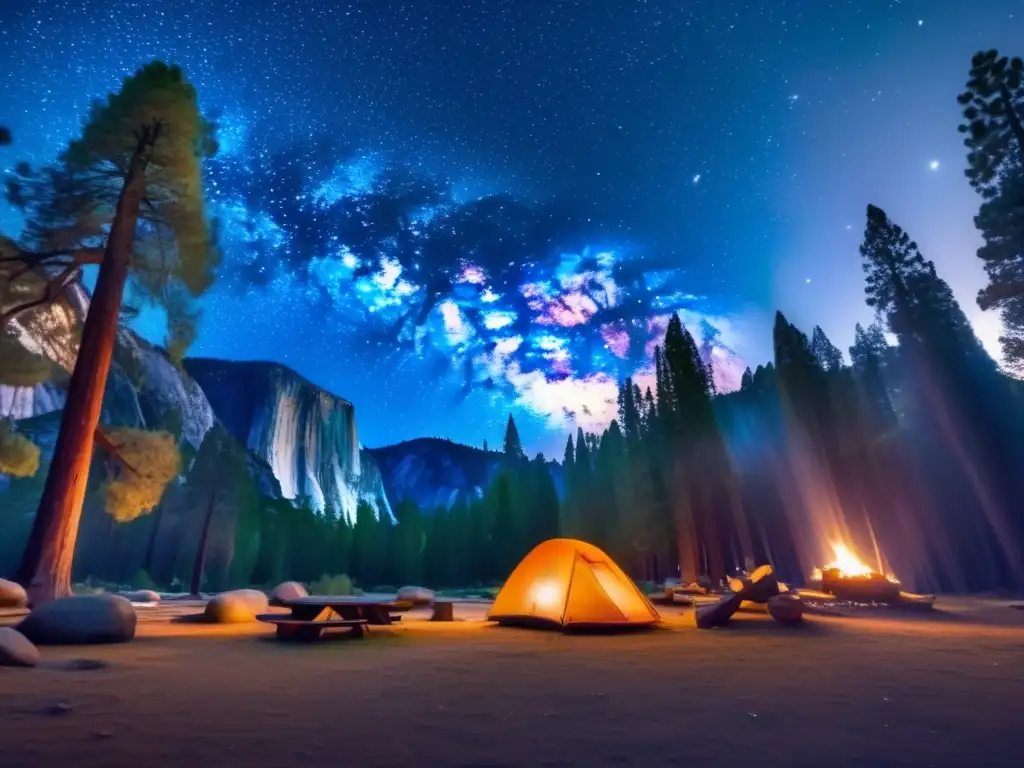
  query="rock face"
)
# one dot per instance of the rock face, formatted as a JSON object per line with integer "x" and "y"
{"x": 289, "y": 590}
{"x": 436, "y": 473}
{"x": 306, "y": 434}
{"x": 81, "y": 620}
{"x": 16, "y": 650}
{"x": 144, "y": 387}
{"x": 236, "y": 607}
{"x": 12, "y": 595}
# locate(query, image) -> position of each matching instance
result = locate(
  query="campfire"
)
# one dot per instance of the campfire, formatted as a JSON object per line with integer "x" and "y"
{"x": 849, "y": 578}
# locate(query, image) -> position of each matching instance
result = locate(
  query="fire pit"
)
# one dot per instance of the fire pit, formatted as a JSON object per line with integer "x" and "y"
{"x": 848, "y": 578}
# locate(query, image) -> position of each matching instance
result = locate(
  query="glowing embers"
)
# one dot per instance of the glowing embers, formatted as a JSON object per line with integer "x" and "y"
{"x": 849, "y": 578}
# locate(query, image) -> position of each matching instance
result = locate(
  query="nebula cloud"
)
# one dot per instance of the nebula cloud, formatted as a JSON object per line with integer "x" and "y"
{"x": 515, "y": 298}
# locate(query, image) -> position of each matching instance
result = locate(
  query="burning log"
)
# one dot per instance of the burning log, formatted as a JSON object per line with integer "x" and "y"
{"x": 850, "y": 579}
{"x": 758, "y": 587}
{"x": 870, "y": 588}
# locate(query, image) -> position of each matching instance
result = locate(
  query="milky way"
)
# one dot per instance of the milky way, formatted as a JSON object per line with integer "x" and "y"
{"x": 447, "y": 211}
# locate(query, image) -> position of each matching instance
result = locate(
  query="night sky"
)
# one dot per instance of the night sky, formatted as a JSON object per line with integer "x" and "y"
{"x": 571, "y": 172}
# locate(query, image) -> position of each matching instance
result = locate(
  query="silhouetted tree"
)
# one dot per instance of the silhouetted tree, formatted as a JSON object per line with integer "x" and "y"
{"x": 993, "y": 104}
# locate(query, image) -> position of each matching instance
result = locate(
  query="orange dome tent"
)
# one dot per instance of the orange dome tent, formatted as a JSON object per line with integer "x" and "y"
{"x": 567, "y": 583}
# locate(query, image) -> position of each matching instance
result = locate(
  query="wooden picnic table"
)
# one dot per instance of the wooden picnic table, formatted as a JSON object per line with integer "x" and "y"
{"x": 310, "y": 616}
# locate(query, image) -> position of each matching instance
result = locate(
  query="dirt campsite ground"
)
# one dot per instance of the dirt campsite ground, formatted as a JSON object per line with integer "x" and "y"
{"x": 945, "y": 689}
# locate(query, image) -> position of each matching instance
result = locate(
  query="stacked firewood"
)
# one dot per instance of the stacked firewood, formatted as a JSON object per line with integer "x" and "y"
{"x": 761, "y": 587}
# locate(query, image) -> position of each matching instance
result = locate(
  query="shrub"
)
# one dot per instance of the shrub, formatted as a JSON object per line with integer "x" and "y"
{"x": 332, "y": 585}
{"x": 143, "y": 580}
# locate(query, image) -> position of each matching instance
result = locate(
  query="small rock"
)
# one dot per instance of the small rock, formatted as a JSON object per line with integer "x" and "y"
{"x": 415, "y": 595}
{"x": 16, "y": 650}
{"x": 12, "y": 595}
{"x": 786, "y": 608}
{"x": 236, "y": 607}
{"x": 60, "y": 708}
{"x": 81, "y": 620}
{"x": 141, "y": 596}
{"x": 289, "y": 590}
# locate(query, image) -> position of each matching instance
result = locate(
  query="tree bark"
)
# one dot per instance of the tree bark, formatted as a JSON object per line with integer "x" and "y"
{"x": 147, "y": 563}
{"x": 45, "y": 569}
{"x": 197, "y": 568}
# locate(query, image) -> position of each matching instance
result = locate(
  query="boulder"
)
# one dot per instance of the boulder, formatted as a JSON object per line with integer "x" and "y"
{"x": 12, "y": 595}
{"x": 289, "y": 590}
{"x": 141, "y": 596}
{"x": 16, "y": 650}
{"x": 415, "y": 595}
{"x": 236, "y": 607}
{"x": 81, "y": 620}
{"x": 787, "y": 608}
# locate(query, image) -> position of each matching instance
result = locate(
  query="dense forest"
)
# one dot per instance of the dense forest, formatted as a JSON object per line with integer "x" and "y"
{"x": 909, "y": 451}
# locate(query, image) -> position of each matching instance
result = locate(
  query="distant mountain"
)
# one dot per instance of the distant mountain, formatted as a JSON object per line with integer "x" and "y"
{"x": 306, "y": 434}
{"x": 434, "y": 472}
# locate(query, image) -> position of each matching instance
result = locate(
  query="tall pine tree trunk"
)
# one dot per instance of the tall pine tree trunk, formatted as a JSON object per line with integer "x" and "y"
{"x": 197, "y": 568}
{"x": 45, "y": 569}
{"x": 147, "y": 563}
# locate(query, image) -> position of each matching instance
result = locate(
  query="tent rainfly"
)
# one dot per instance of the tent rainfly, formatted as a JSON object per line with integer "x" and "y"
{"x": 567, "y": 583}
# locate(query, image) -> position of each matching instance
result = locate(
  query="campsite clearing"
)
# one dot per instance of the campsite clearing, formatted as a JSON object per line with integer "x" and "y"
{"x": 835, "y": 691}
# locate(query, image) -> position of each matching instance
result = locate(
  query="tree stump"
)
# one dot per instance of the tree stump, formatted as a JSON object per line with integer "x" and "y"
{"x": 786, "y": 609}
{"x": 443, "y": 611}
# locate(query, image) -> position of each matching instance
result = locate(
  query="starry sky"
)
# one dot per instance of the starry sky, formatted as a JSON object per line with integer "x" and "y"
{"x": 450, "y": 210}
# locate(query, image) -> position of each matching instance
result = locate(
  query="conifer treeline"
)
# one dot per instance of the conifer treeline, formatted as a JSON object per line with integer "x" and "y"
{"x": 907, "y": 454}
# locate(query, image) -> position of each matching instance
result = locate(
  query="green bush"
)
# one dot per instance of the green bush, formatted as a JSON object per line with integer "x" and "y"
{"x": 332, "y": 585}
{"x": 143, "y": 580}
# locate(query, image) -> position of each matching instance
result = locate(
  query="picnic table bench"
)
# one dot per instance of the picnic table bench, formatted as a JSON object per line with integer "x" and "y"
{"x": 310, "y": 616}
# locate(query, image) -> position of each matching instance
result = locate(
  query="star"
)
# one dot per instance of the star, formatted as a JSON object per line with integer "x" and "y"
{"x": 934, "y": 165}
{"x": 696, "y": 178}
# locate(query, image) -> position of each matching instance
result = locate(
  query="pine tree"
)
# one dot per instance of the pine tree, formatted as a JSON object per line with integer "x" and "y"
{"x": 143, "y": 145}
{"x": 506, "y": 533}
{"x": 993, "y": 107}
{"x": 958, "y": 391}
{"x": 828, "y": 354}
{"x": 904, "y": 288}
{"x": 544, "y": 512}
{"x": 513, "y": 447}
{"x": 703, "y": 480}
{"x": 869, "y": 355}
{"x": 993, "y": 104}
{"x": 747, "y": 380}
